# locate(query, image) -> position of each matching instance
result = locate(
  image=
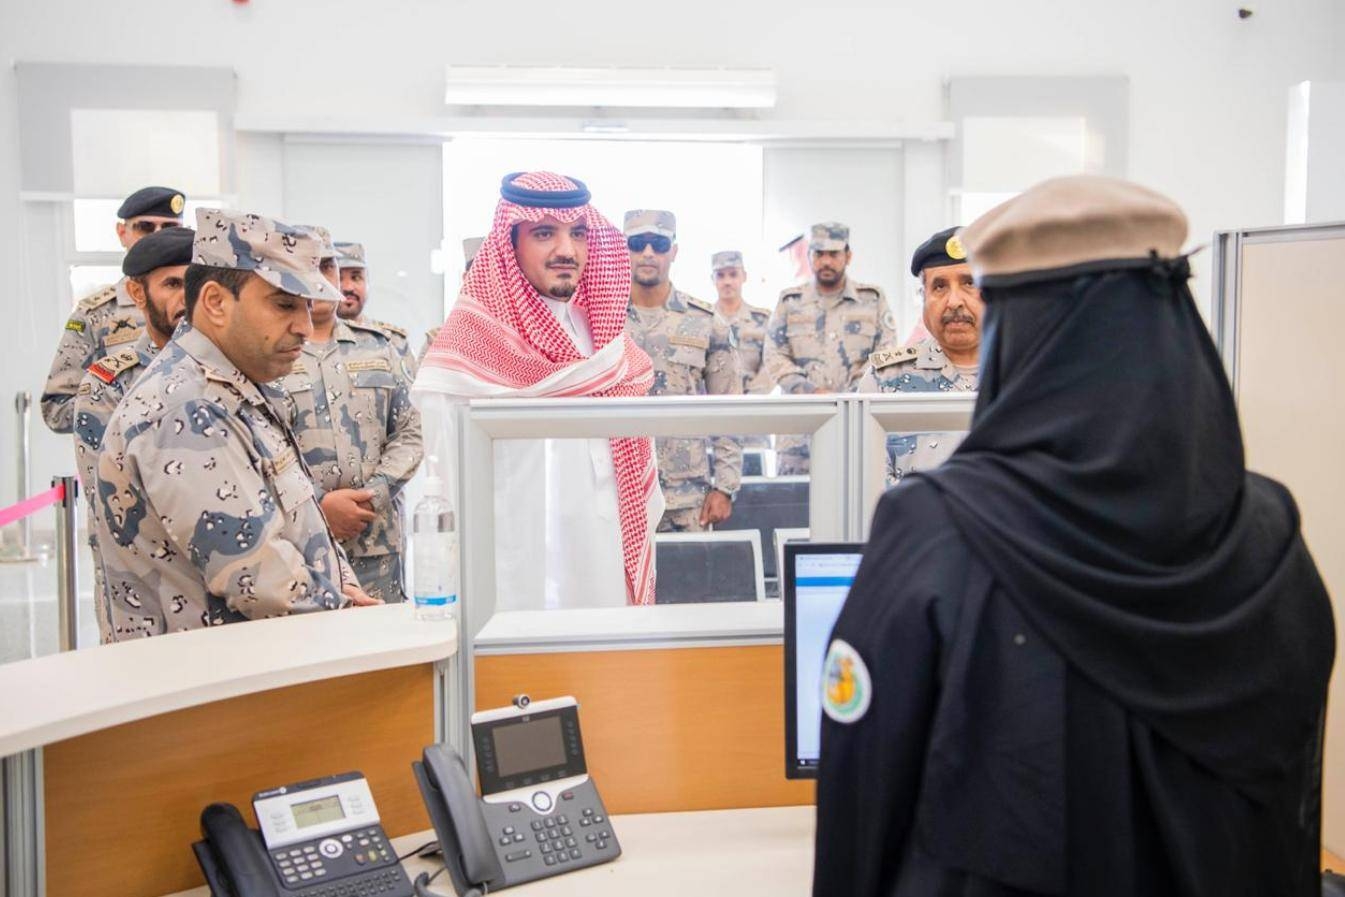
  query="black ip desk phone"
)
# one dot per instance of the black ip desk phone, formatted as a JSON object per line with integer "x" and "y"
{"x": 539, "y": 815}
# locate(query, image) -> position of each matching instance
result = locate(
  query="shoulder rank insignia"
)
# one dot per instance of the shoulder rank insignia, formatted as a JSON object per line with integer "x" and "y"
{"x": 370, "y": 327}
{"x": 109, "y": 366}
{"x": 701, "y": 304}
{"x": 885, "y": 358}
{"x": 759, "y": 313}
{"x": 868, "y": 288}
{"x": 97, "y": 298}
{"x": 390, "y": 328}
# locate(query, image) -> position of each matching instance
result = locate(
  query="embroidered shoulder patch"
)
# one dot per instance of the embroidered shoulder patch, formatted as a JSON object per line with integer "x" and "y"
{"x": 369, "y": 364}
{"x": 847, "y": 688}
{"x": 885, "y": 358}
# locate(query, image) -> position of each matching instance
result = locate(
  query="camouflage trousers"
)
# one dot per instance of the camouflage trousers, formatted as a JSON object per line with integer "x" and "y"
{"x": 793, "y": 455}
{"x": 380, "y": 576}
{"x": 682, "y": 520}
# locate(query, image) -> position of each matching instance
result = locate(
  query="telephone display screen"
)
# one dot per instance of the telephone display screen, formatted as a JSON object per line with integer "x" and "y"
{"x": 316, "y": 812}
{"x": 528, "y": 746}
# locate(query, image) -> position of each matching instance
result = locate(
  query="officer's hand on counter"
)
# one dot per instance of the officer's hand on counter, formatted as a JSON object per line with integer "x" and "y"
{"x": 344, "y": 513}
{"x": 358, "y": 598}
{"x": 716, "y": 509}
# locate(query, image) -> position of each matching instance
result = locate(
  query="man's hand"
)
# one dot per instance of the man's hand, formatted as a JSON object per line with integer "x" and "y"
{"x": 717, "y": 508}
{"x": 358, "y": 598}
{"x": 348, "y": 512}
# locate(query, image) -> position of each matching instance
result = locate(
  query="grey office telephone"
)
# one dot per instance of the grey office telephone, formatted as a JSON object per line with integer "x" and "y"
{"x": 320, "y": 838}
{"x": 539, "y": 813}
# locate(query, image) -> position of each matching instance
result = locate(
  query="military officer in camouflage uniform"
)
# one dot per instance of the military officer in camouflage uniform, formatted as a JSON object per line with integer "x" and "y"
{"x": 354, "y": 295}
{"x": 822, "y": 333}
{"x": 359, "y": 436}
{"x": 693, "y": 354}
{"x": 155, "y": 268}
{"x": 109, "y": 318}
{"x": 947, "y": 361}
{"x": 205, "y": 510}
{"x": 747, "y": 321}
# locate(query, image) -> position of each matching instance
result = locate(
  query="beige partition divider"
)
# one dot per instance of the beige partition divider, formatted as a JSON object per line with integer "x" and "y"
{"x": 1288, "y": 309}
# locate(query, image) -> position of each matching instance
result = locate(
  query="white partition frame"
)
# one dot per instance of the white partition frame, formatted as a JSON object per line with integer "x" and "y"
{"x": 848, "y": 459}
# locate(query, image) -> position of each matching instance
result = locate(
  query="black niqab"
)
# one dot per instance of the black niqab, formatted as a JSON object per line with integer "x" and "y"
{"x": 1103, "y": 485}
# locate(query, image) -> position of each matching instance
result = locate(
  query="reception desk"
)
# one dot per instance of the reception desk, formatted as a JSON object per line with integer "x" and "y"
{"x": 133, "y": 739}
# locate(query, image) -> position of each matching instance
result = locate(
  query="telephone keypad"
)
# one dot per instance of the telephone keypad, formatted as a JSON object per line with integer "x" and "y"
{"x": 574, "y": 839}
{"x": 352, "y": 865}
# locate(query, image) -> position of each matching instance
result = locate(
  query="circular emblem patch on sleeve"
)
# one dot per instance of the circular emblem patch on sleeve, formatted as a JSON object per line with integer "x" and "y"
{"x": 846, "y": 686}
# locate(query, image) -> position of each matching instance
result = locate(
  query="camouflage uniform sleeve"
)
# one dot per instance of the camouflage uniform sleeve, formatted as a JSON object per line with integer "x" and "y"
{"x": 405, "y": 447}
{"x": 777, "y": 362}
{"x": 74, "y": 354}
{"x": 888, "y": 338}
{"x": 723, "y": 377}
{"x": 226, "y": 520}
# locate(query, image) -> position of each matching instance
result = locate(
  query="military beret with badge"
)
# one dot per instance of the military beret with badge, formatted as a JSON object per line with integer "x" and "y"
{"x": 939, "y": 251}
{"x": 159, "y": 202}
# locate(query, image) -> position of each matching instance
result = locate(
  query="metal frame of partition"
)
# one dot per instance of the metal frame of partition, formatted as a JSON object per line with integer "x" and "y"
{"x": 847, "y": 431}
{"x": 1226, "y": 295}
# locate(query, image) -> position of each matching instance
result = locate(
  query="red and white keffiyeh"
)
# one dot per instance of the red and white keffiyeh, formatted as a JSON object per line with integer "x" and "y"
{"x": 501, "y": 340}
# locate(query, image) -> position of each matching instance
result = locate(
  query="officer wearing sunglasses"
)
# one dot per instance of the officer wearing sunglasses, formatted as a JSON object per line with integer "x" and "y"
{"x": 694, "y": 354}
{"x": 107, "y": 318}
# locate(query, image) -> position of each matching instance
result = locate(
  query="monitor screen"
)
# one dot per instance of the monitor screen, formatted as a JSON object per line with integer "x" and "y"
{"x": 817, "y": 581}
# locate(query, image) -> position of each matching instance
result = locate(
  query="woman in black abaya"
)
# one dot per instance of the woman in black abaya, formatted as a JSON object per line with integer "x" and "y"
{"x": 1095, "y": 648}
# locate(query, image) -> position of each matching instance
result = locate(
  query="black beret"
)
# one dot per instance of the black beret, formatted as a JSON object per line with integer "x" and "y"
{"x": 161, "y": 249}
{"x": 161, "y": 202}
{"x": 940, "y": 250}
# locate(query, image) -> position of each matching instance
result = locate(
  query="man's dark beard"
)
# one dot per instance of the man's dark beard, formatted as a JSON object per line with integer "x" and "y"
{"x": 827, "y": 276}
{"x": 158, "y": 320}
{"x": 647, "y": 281}
{"x": 341, "y": 311}
{"x": 563, "y": 290}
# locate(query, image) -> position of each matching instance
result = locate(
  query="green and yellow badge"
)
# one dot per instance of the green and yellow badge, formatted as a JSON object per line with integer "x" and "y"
{"x": 846, "y": 686}
{"x": 954, "y": 248}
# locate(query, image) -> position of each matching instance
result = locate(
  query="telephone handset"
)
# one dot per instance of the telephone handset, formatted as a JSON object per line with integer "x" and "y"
{"x": 320, "y": 838}
{"x": 539, "y": 813}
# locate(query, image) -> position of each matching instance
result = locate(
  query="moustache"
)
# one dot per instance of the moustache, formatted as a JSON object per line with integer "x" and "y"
{"x": 351, "y": 295}
{"x": 957, "y": 317}
{"x": 563, "y": 263}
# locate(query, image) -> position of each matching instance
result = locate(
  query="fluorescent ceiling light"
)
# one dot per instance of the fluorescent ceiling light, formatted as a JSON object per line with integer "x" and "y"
{"x": 667, "y": 88}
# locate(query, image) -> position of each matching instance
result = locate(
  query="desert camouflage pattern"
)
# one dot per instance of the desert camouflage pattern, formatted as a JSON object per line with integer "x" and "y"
{"x": 693, "y": 354}
{"x": 729, "y": 258}
{"x": 350, "y": 255}
{"x": 357, "y": 429}
{"x": 829, "y": 236}
{"x": 919, "y": 368}
{"x": 283, "y": 255}
{"x": 102, "y": 322}
{"x": 205, "y": 512}
{"x": 651, "y": 221}
{"x": 105, "y": 383}
{"x": 819, "y": 343}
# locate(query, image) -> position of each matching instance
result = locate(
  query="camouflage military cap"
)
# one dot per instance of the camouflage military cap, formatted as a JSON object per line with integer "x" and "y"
{"x": 729, "y": 258}
{"x": 829, "y": 236}
{"x": 328, "y": 247}
{"x": 350, "y": 255}
{"x": 284, "y": 256}
{"x": 651, "y": 221}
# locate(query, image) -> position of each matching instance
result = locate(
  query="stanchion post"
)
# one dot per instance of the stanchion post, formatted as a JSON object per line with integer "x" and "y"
{"x": 67, "y": 561}
{"x": 23, "y": 401}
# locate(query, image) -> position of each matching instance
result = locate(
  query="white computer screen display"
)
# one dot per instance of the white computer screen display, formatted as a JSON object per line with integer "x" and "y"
{"x": 821, "y": 582}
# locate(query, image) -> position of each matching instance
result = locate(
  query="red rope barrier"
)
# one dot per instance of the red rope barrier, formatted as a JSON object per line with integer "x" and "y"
{"x": 32, "y": 505}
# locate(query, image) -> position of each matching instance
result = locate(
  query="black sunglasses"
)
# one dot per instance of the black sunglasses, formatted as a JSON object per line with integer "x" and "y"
{"x": 638, "y": 242}
{"x": 145, "y": 228}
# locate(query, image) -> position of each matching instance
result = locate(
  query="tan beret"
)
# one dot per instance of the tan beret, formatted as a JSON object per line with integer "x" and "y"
{"x": 1069, "y": 226}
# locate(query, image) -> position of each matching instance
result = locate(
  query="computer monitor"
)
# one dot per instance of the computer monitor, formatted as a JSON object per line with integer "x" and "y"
{"x": 817, "y": 579}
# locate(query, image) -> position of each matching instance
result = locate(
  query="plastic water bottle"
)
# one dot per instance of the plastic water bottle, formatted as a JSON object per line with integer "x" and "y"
{"x": 434, "y": 540}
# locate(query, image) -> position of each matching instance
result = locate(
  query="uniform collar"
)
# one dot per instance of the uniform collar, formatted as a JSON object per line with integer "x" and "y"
{"x": 144, "y": 347}
{"x": 835, "y": 299}
{"x": 218, "y": 367}
{"x": 931, "y": 358}
{"x": 123, "y": 294}
{"x": 676, "y": 301}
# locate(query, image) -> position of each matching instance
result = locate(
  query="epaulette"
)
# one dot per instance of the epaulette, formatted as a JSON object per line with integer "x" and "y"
{"x": 109, "y": 366}
{"x": 370, "y": 327}
{"x": 761, "y": 313}
{"x": 791, "y": 292}
{"x": 885, "y": 358}
{"x": 390, "y": 328}
{"x": 701, "y": 304}
{"x": 97, "y": 298}
{"x": 868, "y": 288}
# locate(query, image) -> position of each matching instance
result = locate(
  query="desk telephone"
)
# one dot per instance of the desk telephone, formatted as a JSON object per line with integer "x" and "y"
{"x": 539, "y": 814}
